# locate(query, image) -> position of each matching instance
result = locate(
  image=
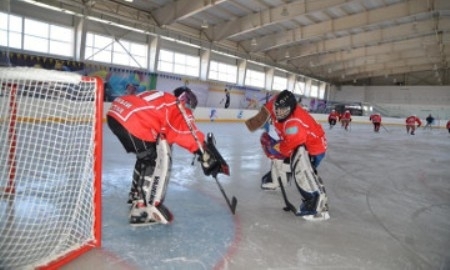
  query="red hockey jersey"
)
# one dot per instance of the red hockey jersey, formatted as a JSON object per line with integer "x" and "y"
{"x": 151, "y": 113}
{"x": 300, "y": 128}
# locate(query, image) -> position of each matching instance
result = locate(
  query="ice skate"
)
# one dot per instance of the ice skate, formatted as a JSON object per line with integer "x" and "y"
{"x": 141, "y": 215}
{"x": 132, "y": 196}
{"x": 319, "y": 216}
{"x": 315, "y": 208}
{"x": 267, "y": 182}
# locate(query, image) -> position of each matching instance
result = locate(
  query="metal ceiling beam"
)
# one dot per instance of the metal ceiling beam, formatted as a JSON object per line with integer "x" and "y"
{"x": 182, "y": 9}
{"x": 367, "y": 51}
{"x": 360, "y": 20}
{"x": 384, "y": 35}
{"x": 269, "y": 17}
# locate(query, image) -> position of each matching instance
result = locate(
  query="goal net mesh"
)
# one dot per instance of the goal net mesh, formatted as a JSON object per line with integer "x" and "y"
{"x": 49, "y": 165}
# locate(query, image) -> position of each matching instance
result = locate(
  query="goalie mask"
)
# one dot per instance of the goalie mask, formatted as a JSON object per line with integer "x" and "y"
{"x": 185, "y": 95}
{"x": 284, "y": 105}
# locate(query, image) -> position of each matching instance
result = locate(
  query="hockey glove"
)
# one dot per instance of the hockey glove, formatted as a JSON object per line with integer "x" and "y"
{"x": 270, "y": 146}
{"x": 209, "y": 164}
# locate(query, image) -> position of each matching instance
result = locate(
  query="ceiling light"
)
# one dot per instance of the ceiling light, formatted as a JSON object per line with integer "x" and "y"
{"x": 284, "y": 12}
{"x": 205, "y": 24}
{"x": 254, "y": 43}
{"x": 128, "y": 1}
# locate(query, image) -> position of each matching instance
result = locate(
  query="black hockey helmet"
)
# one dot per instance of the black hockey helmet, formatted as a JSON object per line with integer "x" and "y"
{"x": 284, "y": 105}
{"x": 185, "y": 95}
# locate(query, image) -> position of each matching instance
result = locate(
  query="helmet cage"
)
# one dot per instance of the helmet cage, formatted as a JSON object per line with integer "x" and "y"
{"x": 282, "y": 113}
{"x": 189, "y": 99}
{"x": 284, "y": 105}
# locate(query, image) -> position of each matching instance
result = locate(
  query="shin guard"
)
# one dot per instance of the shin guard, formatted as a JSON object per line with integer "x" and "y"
{"x": 307, "y": 181}
{"x": 155, "y": 185}
{"x": 280, "y": 169}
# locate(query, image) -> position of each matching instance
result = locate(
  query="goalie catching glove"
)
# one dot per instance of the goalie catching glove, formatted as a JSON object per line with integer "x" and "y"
{"x": 210, "y": 164}
{"x": 270, "y": 146}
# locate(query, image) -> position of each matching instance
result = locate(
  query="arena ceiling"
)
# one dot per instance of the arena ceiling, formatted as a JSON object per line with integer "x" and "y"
{"x": 343, "y": 42}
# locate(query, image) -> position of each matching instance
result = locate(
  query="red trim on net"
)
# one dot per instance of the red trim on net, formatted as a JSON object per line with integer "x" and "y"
{"x": 97, "y": 198}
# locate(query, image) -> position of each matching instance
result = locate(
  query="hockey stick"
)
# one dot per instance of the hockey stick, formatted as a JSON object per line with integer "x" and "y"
{"x": 232, "y": 205}
{"x": 289, "y": 206}
{"x": 385, "y": 128}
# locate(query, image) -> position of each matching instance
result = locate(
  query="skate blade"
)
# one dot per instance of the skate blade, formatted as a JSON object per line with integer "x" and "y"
{"x": 269, "y": 189}
{"x": 144, "y": 224}
{"x": 318, "y": 217}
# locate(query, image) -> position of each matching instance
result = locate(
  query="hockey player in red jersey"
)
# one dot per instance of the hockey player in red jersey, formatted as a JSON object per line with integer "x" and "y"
{"x": 147, "y": 124}
{"x": 448, "y": 126}
{"x": 333, "y": 117}
{"x": 376, "y": 121}
{"x": 346, "y": 118}
{"x": 316, "y": 146}
{"x": 411, "y": 124}
{"x": 298, "y": 152}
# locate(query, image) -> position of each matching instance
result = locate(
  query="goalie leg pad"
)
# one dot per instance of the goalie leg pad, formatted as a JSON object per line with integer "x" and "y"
{"x": 303, "y": 172}
{"x": 144, "y": 168}
{"x": 133, "y": 194}
{"x": 279, "y": 168}
{"x": 155, "y": 185}
{"x": 309, "y": 184}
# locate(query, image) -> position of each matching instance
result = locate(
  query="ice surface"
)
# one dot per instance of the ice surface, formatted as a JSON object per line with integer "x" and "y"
{"x": 389, "y": 196}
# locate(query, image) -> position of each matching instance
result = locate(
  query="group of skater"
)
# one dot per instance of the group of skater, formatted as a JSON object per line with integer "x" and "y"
{"x": 412, "y": 122}
{"x": 147, "y": 124}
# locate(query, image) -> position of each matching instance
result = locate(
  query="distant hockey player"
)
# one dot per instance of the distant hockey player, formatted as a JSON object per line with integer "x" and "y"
{"x": 333, "y": 117}
{"x": 147, "y": 124}
{"x": 376, "y": 121}
{"x": 227, "y": 99}
{"x": 289, "y": 154}
{"x": 448, "y": 126}
{"x": 346, "y": 118}
{"x": 411, "y": 124}
{"x": 430, "y": 121}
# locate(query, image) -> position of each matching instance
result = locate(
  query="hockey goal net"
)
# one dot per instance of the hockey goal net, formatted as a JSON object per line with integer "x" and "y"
{"x": 50, "y": 167}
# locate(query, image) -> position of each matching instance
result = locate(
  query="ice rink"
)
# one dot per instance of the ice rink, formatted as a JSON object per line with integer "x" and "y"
{"x": 389, "y": 197}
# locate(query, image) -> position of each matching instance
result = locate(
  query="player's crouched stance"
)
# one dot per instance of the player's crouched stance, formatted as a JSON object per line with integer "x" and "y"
{"x": 314, "y": 204}
{"x": 290, "y": 159}
{"x": 147, "y": 124}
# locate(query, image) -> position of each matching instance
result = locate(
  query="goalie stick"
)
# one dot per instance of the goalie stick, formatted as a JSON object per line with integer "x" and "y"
{"x": 289, "y": 206}
{"x": 224, "y": 168}
{"x": 211, "y": 144}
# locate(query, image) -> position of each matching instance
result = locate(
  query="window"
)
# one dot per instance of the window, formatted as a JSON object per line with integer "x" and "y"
{"x": 300, "y": 88}
{"x": 255, "y": 78}
{"x": 222, "y": 72}
{"x": 106, "y": 49}
{"x": 10, "y": 31}
{"x": 47, "y": 38}
{"x": 314, "y": 91}
{"x": 129, "y": 54}
{"x": 98, "y": 48}
{"x": 279, "y": 83}
{"x": 183, "y": 64}
{"x": 322, "y": 89}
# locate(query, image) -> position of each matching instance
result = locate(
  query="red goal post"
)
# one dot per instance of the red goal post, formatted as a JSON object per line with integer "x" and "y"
{"x": 50, "y": 166}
